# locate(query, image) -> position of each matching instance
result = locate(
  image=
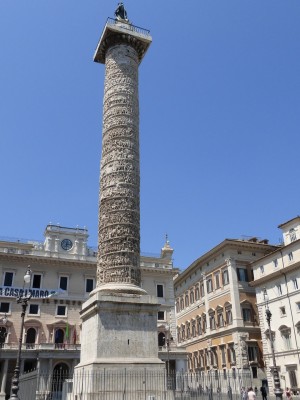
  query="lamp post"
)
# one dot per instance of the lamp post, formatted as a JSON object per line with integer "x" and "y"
{"x": 23, "y": 300}
{"x": 167, "y": 344}
{"x": 277, "y": 388}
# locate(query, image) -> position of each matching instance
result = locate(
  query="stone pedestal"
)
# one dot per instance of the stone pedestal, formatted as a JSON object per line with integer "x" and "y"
{"x": 119, "y": 331}
{"x": 119, "y": 348}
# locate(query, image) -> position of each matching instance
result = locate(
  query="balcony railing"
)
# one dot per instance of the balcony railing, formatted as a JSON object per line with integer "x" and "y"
{"x": 128, "y": 26}
{"x": 41, "y": 346}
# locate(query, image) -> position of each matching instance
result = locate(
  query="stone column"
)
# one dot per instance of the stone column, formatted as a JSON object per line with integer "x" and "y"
{"x": 119, "y": 320}
{"x": 119, "y": 209}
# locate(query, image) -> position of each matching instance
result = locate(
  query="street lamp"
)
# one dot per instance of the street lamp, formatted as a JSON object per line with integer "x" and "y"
{"x": 23, "y": 300}
{"x": 277, "y": 388}
{"x": 167, "y": 344}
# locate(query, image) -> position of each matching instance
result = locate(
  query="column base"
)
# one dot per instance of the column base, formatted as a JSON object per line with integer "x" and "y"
{"x": 118, "y": 288}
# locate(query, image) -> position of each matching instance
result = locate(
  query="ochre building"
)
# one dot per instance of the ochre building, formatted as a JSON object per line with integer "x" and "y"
{"x": 217, "y": 319}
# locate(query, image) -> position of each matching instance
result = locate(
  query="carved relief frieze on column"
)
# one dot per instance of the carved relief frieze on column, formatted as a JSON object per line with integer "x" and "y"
{"x": 119, "y": 211}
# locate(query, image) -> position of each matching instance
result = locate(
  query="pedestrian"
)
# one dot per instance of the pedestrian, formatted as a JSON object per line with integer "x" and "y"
{"x": 244, "y": 393}
{"x": 263, "y": 393}
{"x": 288, "y": 394}
{"x": 251, "y": 394}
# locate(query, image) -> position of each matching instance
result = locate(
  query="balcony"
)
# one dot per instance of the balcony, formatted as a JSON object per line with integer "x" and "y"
{"x": 41, "y": 346}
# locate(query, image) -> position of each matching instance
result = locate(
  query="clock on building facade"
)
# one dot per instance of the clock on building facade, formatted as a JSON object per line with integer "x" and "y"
{"x": 66, "y": 244}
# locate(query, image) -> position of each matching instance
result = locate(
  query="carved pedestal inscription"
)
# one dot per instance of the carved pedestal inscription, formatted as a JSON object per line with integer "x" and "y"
{"x": 119, "y": 212}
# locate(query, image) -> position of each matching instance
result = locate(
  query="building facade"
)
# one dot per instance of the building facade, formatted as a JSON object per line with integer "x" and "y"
{"x": 277, "y": 284}
{"x": 217, "y": 319}
{"x": 63, "y": 275}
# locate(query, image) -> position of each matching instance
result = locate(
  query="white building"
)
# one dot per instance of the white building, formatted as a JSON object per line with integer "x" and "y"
{"x": 65, "y": 266}
{"x": 277, "y": 283}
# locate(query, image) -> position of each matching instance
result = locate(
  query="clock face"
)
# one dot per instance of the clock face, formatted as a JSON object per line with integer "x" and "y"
{"x": 66, "y": 244}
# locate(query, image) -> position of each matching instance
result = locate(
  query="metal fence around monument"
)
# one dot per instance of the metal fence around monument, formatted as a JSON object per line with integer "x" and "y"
{"x": 128, "y": 385}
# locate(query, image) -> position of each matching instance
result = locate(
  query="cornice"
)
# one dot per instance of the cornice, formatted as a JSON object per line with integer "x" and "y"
{"x": 21, "y": 258}
{"x": 227, "y": 244}
{"x": 275, "y": 274}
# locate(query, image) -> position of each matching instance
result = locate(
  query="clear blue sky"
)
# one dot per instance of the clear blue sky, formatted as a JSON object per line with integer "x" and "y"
{"x": 219, "y": 100}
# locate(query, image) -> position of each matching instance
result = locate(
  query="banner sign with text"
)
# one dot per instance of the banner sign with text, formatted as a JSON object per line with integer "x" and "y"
{"x": 10, "y": 291}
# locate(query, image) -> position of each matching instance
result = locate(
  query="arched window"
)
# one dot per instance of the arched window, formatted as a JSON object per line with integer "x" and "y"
{"x": 197, "y": 293}
{"x": 59, "y": 338}
{"x": 178, "y": 334}
{"x": 203, "y": 323}
{"x": 181, "y": 304}
{"x": 186, "y": 300}
{"x": 3, "y": 334}
{"x": 220, "y": 320}
{"x": 196, "y": 360}
{"x": 30, "y": 338}
{"x": 192, "y": 297}
{"x": 60, "y": 374}
{"x": 193, "y": 328}
{"x": 161, "y": 339}
{"x": 199, "y": 326}
{"x": 212, "y": 321}
{"x": 177, "y": 306}
{"x": 188, "y": 330}
{"x": 183, "y": 332}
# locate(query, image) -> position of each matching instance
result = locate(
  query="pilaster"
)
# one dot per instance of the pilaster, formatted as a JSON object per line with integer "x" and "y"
{"x": 237, "y": 319}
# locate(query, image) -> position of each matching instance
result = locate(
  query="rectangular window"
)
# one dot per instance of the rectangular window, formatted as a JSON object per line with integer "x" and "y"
{"x": 161, "y": 315}
{"x": 275, "y": 263}
{"x": 295, "y": 283}
{"x": 253, "y": 353}
{"x": 36, "y": 281}
{"x": 298, "y": 307}
{"x": 291, "y": 256}
{"x": 225, "y": 277}
{"x": 8, "y": 278}
{"x": 279, "y": 290}
{"x": 89, "y": 285}
{"x": 209, "y": 285}
{"x": 262, "y": 269}
{"x": 217, "y": 280}
{"x": 231, "y": 354}
{"x": 293, "y": 378}
{"x": 63, "y": 283}
{"x": 61, "y": 310}
{"x": 242, "y": 274}
{"x": 4, "y": 307}
{"x": 223, "y": 355}
{"x": 282, "y": 311}
{"x": 293, "y": 235}
{"x": 34, "y": 309}
{"x": 246, "y": 314}
{"x": 254, "y": 372}
{"x": 160, "y": 290}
